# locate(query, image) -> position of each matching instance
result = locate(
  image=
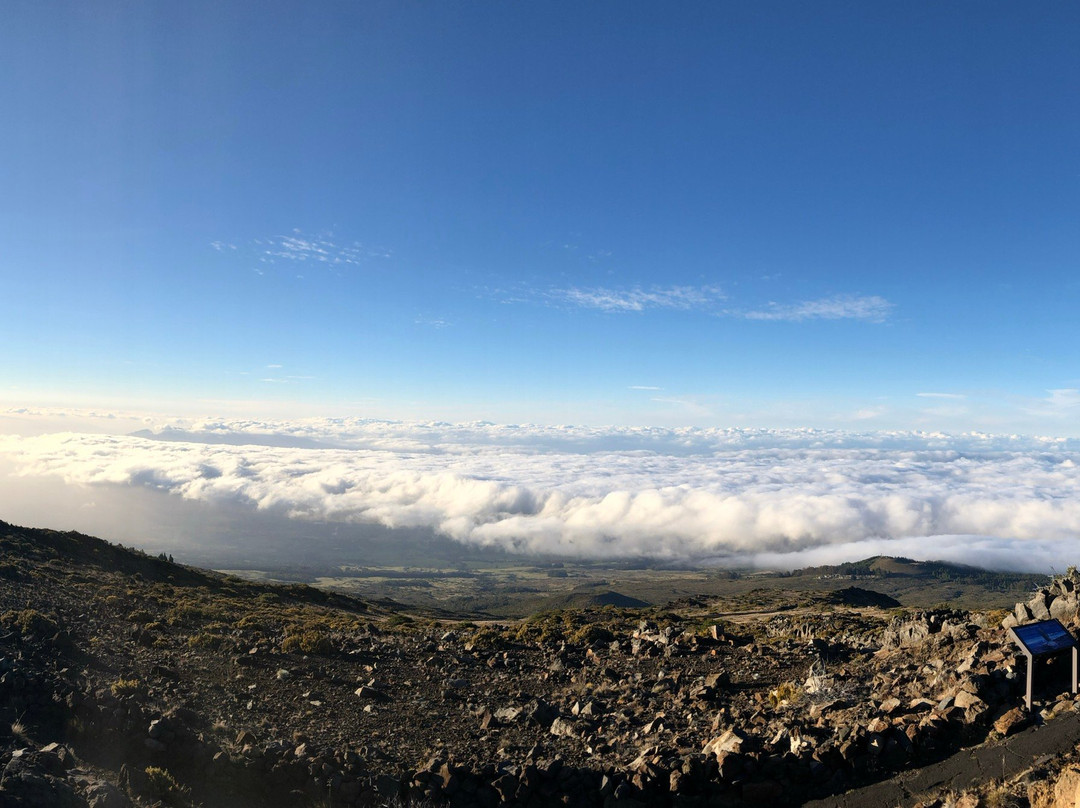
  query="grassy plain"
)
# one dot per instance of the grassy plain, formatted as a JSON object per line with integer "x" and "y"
{"x": 509, "y": 588}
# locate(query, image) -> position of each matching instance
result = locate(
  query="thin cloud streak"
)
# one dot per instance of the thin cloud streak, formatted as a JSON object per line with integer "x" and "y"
{"x": 432, "y": 322}
{"x": 872, "y": 308}
{"x": 867, "y": 308}
{"x": 297, "y": 247}
{"x": 1058, "y": 403}
{"x": 300, "y": 248}
{"x": 683, "y": 298}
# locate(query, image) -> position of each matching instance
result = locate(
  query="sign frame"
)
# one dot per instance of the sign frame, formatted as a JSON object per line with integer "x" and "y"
{"x": 1045, "y": 638}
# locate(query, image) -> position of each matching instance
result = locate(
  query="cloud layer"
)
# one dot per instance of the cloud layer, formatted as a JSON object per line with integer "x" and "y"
{"x": 690, "y": 494}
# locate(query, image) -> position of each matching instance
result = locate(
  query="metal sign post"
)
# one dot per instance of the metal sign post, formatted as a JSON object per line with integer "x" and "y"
{"x": 1043, "y": 639}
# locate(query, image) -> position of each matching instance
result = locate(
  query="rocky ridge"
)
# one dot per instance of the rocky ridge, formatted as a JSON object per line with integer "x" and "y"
{"x": 129, "y": 680}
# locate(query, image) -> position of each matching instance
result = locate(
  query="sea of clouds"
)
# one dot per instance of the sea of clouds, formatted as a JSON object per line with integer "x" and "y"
{"x": 778, "y": 498}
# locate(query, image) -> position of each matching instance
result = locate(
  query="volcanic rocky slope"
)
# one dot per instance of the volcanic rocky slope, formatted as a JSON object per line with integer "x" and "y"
{"x": 130, "y": 680}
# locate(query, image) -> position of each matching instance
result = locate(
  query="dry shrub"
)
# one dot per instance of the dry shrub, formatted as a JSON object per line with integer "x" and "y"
{"x": 312, "y": 641}
{"x": 30, "y": 621}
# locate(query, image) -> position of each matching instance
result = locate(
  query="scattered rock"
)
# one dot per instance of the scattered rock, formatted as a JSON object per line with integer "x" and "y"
{"x": 1012, "y": 721}
{"x": 730, "y": 741}
{"x": 371, "y": 694}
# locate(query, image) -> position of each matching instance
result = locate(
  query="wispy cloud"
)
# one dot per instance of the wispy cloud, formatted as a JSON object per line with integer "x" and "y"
{"x": 637, "y": 299}
{"x": 1066, "y": 398}
{"x": 1059, "y": 403}
{"x": 643, "y": 387}
{"x": 432, "y": 322}
{"x": 297, "y": 247}
{"x": 941, "y": 395}
{"x": 291, "y": 378}
{"x": 687, "y": 405}
{"x": 869, "y": 413}
{"x": 870, "y": 308}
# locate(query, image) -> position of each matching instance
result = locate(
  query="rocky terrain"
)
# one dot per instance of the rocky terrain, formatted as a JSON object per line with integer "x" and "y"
{"x": 130, "y": 680}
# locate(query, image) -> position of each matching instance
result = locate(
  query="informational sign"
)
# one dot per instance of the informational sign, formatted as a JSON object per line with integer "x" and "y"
{"x": 1044, "y": 639}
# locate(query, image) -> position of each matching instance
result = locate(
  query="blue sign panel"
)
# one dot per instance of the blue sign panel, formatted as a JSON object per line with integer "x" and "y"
{"x": 1047, "y": 637}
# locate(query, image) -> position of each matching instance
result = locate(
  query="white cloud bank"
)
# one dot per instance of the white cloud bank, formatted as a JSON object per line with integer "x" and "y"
{"x": 782, "y": 498}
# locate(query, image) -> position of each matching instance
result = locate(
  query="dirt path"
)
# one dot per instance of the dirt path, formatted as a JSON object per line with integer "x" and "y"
{"x": 967, "y": 768}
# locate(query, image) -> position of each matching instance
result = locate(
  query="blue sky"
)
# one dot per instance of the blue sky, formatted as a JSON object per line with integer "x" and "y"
{"x": 842, "y": 215}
